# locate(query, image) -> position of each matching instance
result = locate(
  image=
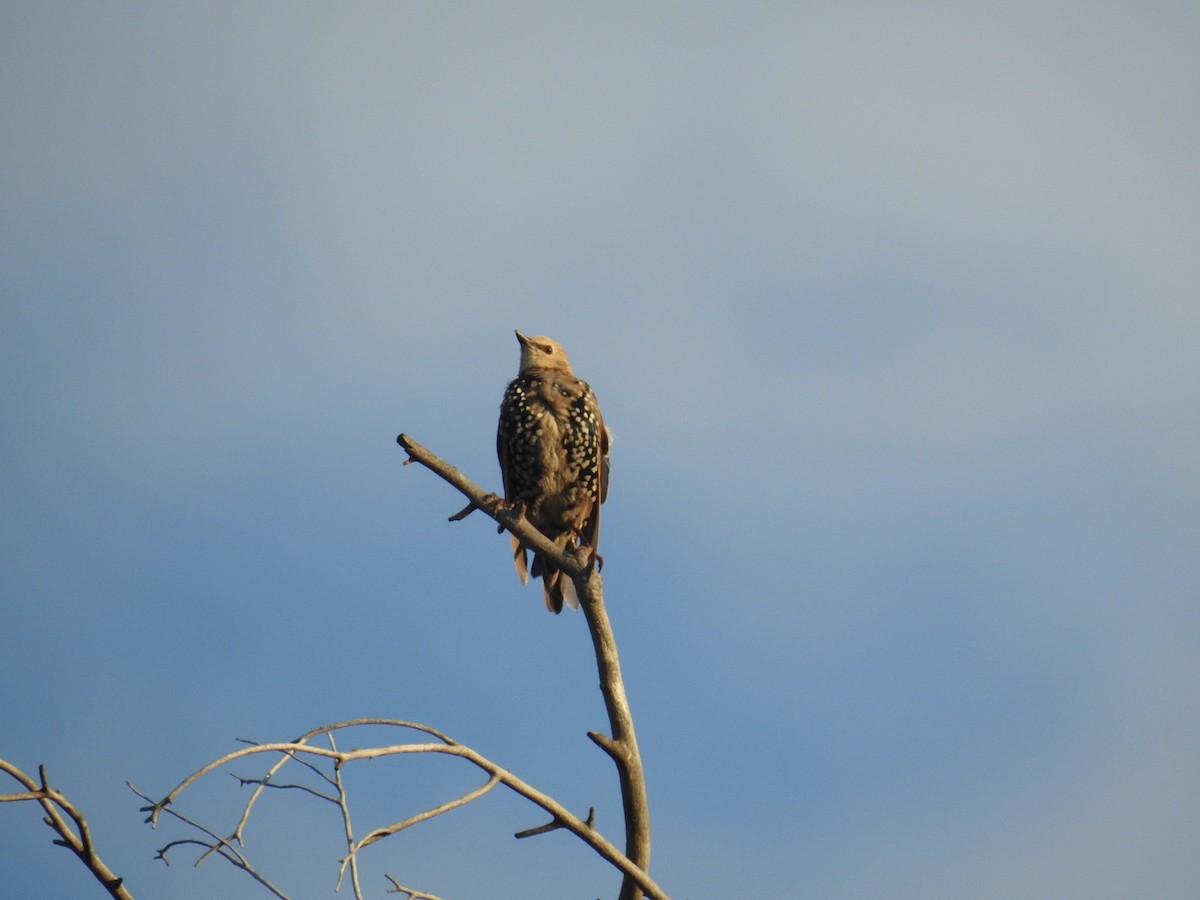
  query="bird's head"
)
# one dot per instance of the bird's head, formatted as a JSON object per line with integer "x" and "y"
{"x": 542, "y": 353}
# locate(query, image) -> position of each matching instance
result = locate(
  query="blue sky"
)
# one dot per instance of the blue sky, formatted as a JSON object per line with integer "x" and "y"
{"x": 892, "y": 309}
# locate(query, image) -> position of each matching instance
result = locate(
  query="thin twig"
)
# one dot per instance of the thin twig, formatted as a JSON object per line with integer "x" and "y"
{"x": 389, "y": 830}
{"x": 304, "y": 788}
{"x": 575, "y": 564}
{"x": 554, "y": 825}
{"x": 413, "y": 894}
{"x": 215, "y": 846}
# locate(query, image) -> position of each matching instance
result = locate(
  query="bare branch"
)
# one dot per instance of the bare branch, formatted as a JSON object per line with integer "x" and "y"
{"x": 575, "y": 564}
{"x": 316, "y": 770}
{"x": 622, "y": 747}
{"x": 304, "y": 788}
{"x": 215, "y": 846}
{"x": 78, "y": 839}
{"x": 554, "y": 825}
{"x": 344, "y": 805}
{"x": 398, "y": 888}
{"x": 287, "y": 748}
{"x": 464, "y": 512}
{"x": 380, "y": 833}
{"x": 497, "y": 774}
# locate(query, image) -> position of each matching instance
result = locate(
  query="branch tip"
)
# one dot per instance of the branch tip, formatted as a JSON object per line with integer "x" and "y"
{"x": 608, "y": 745}
{"x": 552, "y": 825}
{"x": 405, "y": 444}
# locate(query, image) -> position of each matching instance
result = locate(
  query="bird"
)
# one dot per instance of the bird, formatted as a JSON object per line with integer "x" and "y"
{"x": 553, "y": 450}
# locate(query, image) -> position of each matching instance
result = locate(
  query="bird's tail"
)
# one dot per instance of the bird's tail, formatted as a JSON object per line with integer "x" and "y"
{"x": 556, "y": 585}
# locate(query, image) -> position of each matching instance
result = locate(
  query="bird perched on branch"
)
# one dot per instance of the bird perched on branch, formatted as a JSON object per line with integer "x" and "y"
{"x": 553, "y": 450}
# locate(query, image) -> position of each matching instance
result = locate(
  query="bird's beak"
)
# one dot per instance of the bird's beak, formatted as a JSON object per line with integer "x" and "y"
{"x": 520, "y": 337}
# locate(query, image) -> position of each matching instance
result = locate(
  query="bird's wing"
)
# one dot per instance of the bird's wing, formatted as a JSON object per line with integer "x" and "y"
{"x": 591, "y": 527}
{"x": 519, "y": 560}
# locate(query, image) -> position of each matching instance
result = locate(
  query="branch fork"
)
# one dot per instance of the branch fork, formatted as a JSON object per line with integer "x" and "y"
{"x": 75, "y": 835}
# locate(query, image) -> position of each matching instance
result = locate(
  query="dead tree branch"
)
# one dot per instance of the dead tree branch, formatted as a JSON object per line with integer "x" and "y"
{"x": 622, "y": 746}
{"x": 306, "y": 753}
{"x": 215, "y": 845}
{"x": 78, "y": 839}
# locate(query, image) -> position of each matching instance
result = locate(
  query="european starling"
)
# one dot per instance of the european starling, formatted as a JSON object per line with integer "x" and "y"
{"x": 553, "y": 450}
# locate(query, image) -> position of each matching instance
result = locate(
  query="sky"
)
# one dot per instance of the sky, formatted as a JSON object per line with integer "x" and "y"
{"x": 891, "y": 308}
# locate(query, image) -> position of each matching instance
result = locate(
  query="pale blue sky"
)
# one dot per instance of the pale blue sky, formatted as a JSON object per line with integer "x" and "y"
{"x": 893, "y": 311}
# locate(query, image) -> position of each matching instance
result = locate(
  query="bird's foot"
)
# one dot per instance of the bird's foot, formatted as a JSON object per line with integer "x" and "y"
{"x": 501, "y": 504}
{"x": 581, "y": 543}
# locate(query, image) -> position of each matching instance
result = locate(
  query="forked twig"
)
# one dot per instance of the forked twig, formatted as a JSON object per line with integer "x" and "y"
{"x": 77, "y": 839}
{"x": 413, "y": 894}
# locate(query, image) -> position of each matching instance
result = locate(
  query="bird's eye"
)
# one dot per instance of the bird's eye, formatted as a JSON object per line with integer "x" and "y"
{"x": 548, "y": 349}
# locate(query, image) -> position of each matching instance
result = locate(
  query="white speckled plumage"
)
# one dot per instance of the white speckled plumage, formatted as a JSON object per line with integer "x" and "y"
{"x": 553, "y": 451}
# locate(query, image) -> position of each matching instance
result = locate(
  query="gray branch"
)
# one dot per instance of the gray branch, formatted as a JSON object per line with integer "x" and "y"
{"x": 622, "y": 746}
{"x": 301, "y": 748}
{"x": 78, "y": 839}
